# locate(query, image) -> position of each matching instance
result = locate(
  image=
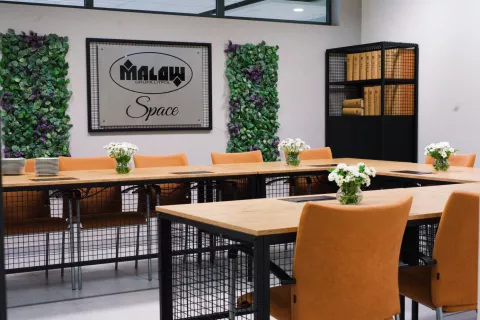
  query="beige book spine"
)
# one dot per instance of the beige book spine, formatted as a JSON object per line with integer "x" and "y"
{"x": 388, "y": 100}
{"x": 379, "y": 64}
{"x": 377, "y": 100}
{"x": 363, "y": 66}
{"x": 368, "y": 65}
{"x": 353, "y": 103}
{"x": 356, "y": 67}
{"x": 371, "y": 101}
{"x": 349, "y": 67}
{"x": 373, "y": 65}
{"x": 353, "y": 112}
{"x": 365, "y": 100}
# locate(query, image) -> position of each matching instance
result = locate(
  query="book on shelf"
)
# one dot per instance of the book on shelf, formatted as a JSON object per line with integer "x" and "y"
{"x": 371, "y": 101}
{"x": 349, "y": 67}
{"x": 373, "y": 65}
{"x": 353, "y": 111}
{"x": 368, "y": 65}
{"x": 366, "y": 98}
{"x": 388, "y": 100}
{"x": 379, "y": 64}
{"x": 356, "y": 66}
{"x": 377, "y": 104}
{"x": 353, "y": 103}
{"x": 363, "y": 66}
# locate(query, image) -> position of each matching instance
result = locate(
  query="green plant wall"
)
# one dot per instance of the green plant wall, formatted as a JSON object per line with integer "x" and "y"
{"x": 252, "y": 77}
{"x": 34, "y": 95}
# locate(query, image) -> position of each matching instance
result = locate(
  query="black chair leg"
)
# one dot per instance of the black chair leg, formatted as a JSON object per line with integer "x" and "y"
{"x": 137, "y": 249}
{"x": 47, "y": 253}
{"x": 212, "y": 246}
{"x": 116, "y": 248}
{"x": 414, "y": 310}
{"x": 402, "y": 307}
{"x": 199, "y": 246}
{"x": 63, "y": 254}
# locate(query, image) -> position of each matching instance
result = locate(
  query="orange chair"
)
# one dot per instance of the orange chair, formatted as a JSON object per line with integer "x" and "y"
{"x": 315, "y": 184}
{"x": 101, "y": 207}
{"x": 235, "y": 189}
{"x": 173, "y": 193}
{"x": 28, "y": 212}
{"x": 345, "y": 264}
{"x": 457, "y": 160}
{"x": 449, "y": 281}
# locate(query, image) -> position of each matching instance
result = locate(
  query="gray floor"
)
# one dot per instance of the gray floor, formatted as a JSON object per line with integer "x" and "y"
{"x": 34, "y": 289}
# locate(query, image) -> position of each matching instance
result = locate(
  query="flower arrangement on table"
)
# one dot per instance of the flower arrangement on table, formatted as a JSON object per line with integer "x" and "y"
{"x": 440, "y": 152}
{"x": 122, "y": 152}
{"x": 292, "y": 148}
{"x": 349, "y": 179}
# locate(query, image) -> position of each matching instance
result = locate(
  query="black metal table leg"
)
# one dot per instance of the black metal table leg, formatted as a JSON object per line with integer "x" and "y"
{"x": 414, "y": 310}
{"x": 261, "y": 187}
{"x": 402, "y": 307}
{"x": 410, "y": 246}
{"x": 261, "y": 258}
{"x": 165, "y": 268}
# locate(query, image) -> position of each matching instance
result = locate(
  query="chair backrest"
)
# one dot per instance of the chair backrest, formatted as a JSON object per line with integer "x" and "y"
{"x": 76, "y": 164}
{"x": 240, "y": 157}
{"x": 100, "y": 200}
{"x": 174, "y": 160}
{"x": 454, "y": 277}
{"x": 457, "y": 160}
{"x": 346, "y": 261}
{"x": 29, "y": 165}
{"x": 316, "y": 154}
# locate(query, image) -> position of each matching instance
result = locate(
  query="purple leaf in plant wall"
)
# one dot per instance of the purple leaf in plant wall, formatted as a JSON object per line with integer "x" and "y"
{"x": 231, "y": 47}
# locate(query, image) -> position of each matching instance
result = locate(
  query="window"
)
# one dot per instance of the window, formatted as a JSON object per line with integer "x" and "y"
{"x": 299, "y": 11}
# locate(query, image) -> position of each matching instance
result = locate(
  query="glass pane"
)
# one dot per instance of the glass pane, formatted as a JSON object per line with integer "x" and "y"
{"x": 78, "y": 3}
{"x": 311, "y": 11}
{"x": 178, "y": 6}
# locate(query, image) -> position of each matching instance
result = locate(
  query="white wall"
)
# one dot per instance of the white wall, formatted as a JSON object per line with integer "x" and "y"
{"x": 449, "y": 86}
{"x": 301, "y": 68}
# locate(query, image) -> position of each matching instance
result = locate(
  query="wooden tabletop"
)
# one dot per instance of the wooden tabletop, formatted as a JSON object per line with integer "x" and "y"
{"x": 384, "y": 168}
{"x": 261, "y": 217}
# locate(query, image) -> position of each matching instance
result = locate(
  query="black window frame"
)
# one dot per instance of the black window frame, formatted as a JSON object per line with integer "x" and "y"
{"x": 219, "y": 11}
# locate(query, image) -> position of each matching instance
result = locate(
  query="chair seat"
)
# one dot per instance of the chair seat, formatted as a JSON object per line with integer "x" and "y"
{"x": 38, "y": 225}
{"x": 415, "y": 283}
{"x": 114, "y": 219}
{"x": 280, "y": 302}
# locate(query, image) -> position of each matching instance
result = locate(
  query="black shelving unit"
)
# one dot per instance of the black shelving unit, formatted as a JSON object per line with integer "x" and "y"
{"x": 391, "y": 135}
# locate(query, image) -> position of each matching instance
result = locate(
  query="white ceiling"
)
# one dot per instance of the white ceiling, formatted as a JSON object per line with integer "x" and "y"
{"x": 267, "y": 9}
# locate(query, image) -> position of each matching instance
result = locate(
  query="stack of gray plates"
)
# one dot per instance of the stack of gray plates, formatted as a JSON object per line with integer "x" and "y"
{"x": 46, "y": 166}
{"x": 13, "y": 166}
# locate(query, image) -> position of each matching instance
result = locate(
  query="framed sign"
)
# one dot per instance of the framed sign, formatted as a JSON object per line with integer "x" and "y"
{"x": 148, "y": 85}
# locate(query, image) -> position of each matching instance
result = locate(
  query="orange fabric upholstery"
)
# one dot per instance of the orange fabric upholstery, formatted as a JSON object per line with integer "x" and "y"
{"x": 76, "y": 164}
{"x": 29, "y": 165}
{"x": 228, "y": 193}
{"x": 345, "y": 263}
{"x": 240, "y": 157}
{"x": 457, "y": 160}
{"x": 101, "y": 201}
{"x": 452, "y": 282}
{"x": 170, "y": 193}
{"x": 319, "y": 183}
{"x": 316, "y": 154}
{"x": 174, "y": 160}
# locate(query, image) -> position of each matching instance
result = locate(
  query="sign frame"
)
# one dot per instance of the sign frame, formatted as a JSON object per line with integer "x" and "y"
{"x": 93, "y": 91}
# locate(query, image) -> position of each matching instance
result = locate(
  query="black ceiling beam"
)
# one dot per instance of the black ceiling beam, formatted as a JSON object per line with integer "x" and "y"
{"x": 232, "y": 6}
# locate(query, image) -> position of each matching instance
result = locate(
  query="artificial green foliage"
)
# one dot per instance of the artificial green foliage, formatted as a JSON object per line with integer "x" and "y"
{"x": 34, "y": 95}
{"x": 252, "y": 77}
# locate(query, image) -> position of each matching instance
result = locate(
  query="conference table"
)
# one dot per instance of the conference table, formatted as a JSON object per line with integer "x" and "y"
{"x": 195, "y": 240}
{"x": 254, "y": 233}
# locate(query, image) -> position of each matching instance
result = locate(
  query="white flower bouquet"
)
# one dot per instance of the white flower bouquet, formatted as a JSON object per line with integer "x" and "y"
{"x": 292, "y": 148}
{"x": 349, "y": 179}
{"x": 122, "y": 152}
{"x": 441, "y": 152}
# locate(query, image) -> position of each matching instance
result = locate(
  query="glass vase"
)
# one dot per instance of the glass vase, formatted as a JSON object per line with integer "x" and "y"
{"x": 123, "y": 165}
{"x": 441, "y": 164}
{"x": 293, "y": 159}
{"x": 349, "y": 195}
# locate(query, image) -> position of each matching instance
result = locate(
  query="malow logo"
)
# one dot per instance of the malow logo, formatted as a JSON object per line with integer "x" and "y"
{"x": 151, "y": 73}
